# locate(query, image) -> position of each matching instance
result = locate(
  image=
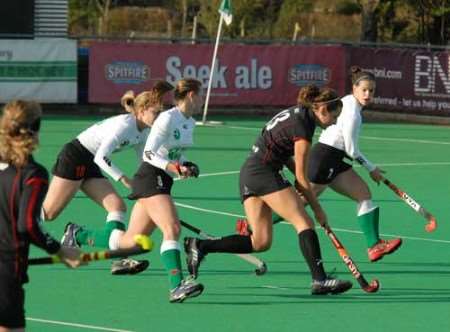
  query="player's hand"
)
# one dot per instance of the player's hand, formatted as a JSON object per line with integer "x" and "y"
{"x": 125, "y": 180}
{"x": 70, "y": 256}
{"x": 193, "y": 169}
{"x": 377, "y": 175}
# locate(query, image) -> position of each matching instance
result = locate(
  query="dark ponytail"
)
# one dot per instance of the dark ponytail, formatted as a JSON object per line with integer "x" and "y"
{"x": 358, "y": 75}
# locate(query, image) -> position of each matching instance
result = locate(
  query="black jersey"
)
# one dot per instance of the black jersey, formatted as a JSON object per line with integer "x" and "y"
{"x": 22, "y": 191}
{"x": 278, "y": 137}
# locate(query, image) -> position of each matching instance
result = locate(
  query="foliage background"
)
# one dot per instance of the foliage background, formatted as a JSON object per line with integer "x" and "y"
{"x": 389, "y": 21}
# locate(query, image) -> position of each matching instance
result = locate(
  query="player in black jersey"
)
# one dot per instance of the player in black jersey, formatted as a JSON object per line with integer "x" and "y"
{"x": 285, "y": 140}
{"x": 23, "y": 185}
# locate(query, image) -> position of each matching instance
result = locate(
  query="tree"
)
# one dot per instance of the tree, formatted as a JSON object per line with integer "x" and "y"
{"x": 289, "y": 14}
{"x": 369, "y": 20}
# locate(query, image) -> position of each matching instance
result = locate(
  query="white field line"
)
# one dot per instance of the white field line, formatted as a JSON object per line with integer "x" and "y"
{"x": 343, "y": 230}
{"x": 83, "y": 326}
{"x": 431, "y": 163}
{"x": 375, "y": 138}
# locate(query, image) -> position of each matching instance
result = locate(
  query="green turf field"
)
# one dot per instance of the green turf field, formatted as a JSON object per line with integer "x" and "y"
{"x": 415, "y": 288}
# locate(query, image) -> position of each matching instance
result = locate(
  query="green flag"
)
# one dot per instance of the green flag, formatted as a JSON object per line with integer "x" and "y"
{"x": 225, "y": 11}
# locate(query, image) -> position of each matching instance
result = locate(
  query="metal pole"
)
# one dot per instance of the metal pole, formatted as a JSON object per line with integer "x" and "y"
{"x": 211, "y": 74}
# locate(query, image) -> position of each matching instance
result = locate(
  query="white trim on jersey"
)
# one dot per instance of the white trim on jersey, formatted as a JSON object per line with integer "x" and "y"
{"x": 344, "y": 135}
{"x": 171, "y": 134}
{"x": 112, "y": 135}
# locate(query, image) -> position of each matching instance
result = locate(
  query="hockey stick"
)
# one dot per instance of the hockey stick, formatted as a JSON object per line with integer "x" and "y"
{"x": 145, "y": 244}
{"x": 261, "y": 267}
{"x": 431, "y": 226}
{"x": 371, "y": 287}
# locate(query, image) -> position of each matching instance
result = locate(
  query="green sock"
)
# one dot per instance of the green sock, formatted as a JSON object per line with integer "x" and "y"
{"x": 369, "y": 225}
{"x": 172, "y": 263}
{"x": 98, "y": 238}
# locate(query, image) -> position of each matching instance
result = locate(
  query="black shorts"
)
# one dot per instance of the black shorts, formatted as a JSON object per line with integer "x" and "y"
{"x": 75, "y": 162}
{"x": 326, "y": 163}
{"x": 12, "y": 299}
{"x": 258, "y": 179}
{"x": 150, "y": 181}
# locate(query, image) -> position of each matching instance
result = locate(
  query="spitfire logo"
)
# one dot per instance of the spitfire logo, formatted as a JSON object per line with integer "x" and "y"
{"x": 176, "y": 134}
{"x": 127, "y": 72}
{"x": 303, "y": 74}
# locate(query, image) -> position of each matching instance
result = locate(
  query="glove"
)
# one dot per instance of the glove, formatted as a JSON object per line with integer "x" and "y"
{"x": 193, "y": 168}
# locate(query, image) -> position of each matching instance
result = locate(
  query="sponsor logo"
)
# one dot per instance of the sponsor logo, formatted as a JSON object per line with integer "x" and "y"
{"x": 149, "y": 154}
{"x": 351, "y": 266}
{"x": 127, "y": 72}
{"x": 6, "y": 54}
{"x": 383, "y": 73}
{"x": 431, "y": 77}
{"x": 304, "y": 74}
{"x": 176, "y": 134}
{"x": 124, "y": 143}
{"x": 107, "y": 161}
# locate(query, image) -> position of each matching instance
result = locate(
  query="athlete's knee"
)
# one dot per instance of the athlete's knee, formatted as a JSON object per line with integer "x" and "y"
{"x": 114, "y": 203}
{"x": 171, "y": 231}
{"x": 260, "y": 244}
{"x": 48, "y": 214}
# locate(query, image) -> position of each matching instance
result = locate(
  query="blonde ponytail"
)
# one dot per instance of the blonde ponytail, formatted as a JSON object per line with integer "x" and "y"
{"x": 19, "y": 124}
{"x": 127, "y": 101}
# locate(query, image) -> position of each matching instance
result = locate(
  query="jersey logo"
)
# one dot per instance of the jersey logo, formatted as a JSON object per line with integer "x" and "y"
{"x": 107, "y": 161}
{"x": 185, "y": 126}
{"x": 176, "y": 134}
{"x": 149, "y": 154}
{"x": 124, "y": 143}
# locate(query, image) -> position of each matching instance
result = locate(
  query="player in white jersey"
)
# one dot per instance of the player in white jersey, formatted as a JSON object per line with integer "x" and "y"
{"x": 163, "y": 158}
{"x": 327, "y": 167}
{"x": 80, "y": 164}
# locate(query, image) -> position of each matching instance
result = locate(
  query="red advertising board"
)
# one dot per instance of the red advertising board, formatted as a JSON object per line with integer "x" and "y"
{"x": 407, "y": 79}
{"x": 244, "y": 74}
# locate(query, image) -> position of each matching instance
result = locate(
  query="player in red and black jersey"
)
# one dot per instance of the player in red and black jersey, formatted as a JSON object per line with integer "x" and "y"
{"x": 285, "y": 140}
{"x": 23, "y": 185}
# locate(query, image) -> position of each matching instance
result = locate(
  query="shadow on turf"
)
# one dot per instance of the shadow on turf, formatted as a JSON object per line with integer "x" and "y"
{"x": 390, "y": 295}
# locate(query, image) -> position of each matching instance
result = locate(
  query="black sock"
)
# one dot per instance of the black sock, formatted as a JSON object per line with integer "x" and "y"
{"x": 309, "y": 245}
{"x": 237, "y": 244}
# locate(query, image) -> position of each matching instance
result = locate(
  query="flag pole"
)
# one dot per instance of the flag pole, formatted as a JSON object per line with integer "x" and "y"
{"x": 211, "y": 74}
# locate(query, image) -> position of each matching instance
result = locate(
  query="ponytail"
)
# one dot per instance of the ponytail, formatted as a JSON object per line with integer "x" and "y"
{"x": 358, "y": 75}
{"x": 19, "y": 124}
{"x": 127, "y": 101}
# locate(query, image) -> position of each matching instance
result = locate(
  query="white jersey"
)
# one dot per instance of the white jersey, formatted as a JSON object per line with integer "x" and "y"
{"x": 171, "y": 134}
{"x": 344, "y": 135}
{"x": 112, "y": 135}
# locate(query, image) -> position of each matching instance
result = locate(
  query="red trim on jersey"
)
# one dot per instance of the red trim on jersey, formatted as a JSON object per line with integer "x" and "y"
{"x": 14, "y": 219}
{"x": 36, "y": 184}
